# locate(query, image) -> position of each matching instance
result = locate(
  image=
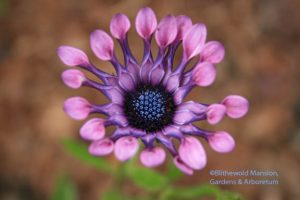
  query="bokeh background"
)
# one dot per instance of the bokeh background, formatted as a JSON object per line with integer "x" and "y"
{"x": 262, "y": 41}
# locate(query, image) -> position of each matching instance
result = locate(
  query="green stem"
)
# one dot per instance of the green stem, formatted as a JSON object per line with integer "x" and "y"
{"x": 119, "y": 178}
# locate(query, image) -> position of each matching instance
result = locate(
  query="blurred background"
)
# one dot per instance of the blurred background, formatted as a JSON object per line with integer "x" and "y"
{"x": 262, "y": 41}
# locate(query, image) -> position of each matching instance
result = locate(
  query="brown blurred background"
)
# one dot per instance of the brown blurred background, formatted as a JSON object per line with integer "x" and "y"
{"x": 261, "y": 38}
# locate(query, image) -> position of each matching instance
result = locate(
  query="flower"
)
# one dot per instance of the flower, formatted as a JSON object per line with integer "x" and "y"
{"x": 147, "y": 98}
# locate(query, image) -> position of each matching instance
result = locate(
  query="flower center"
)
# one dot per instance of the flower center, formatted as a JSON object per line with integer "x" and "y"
{"x": 149, "y": 108}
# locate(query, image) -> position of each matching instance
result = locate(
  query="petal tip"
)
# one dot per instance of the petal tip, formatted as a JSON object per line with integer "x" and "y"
{"x": 72, "y": 56}
{"x": 236, "y": 106}
{"x": 183, "y": 24}
{"x": 182, "y": 166}
{"x": 153, "y": 157}
{"x": 215, "y": 113}
{"x": 73, "y": 78}
{"x": 204, "y": 74}
{"x": 213, "y": 52}
{"x": 166, "y": 31}
{"x": 145, "y": 22}
{"x": 221, "y": 142}
{"x": 119, "y": 26}
{"x": 77, "y": 108}
{"x": 191, "y": 152}
{"x": 93, "y": 129}
{"x": 101, "y": 147}
{"x": 102, "y": 45}
{"x": 193, "y": 41}
{"x": 126, "y": 147}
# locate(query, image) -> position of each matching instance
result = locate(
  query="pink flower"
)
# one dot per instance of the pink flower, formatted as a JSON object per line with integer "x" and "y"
{"x": 146, "y": 100}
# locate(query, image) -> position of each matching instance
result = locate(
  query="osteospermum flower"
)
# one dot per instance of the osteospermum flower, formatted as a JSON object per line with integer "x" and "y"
{"x": 147, "y": 98}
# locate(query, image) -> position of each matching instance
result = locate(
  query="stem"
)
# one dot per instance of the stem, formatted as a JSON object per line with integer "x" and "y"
{"x": 118, "y": 181}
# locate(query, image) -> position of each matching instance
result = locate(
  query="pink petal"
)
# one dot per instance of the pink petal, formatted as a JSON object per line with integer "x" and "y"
{"x": 102, "y": 45}
{"x": 101, "y": 147}
{"x": 221, "y": 142}
{"x": 193, "y": 41}
{"x": 115, "y": 95}
{"x": 73, "y": 78}
{"x": 126, "y": 147}
{"x": 145, "y": 70}
{"x": 237, "y": 106}
{"x": 183, "y": 24}
{"x": 179, "y": 95}
{"x": 121, "y": 132}
{"x": 126, "y": 81}
{"x": 172, "y": 130}
{"x": 192, "y": 153}
{"x": 183, "y": 117}
{"x": 186, "y": 79}
{"x": 119, "y": 26}
{"x": 156, "y": 75}
{"x": 204, "y": 74}
{"x": 77, "y": 107}
{"x": 93, "y": 129}
{"x": 182, "y": 166}
{"x": 119, "y": 119}
{"x": 192, "y": 106}
{"x": 133, "y": 69}
{"x": 137, "y": 132}
{"x": 215, "y": 113}
{"x": 112, "y": 109}
{"x": 189, "y": 128}
{"x": 213, "y": 52}
{"x": 166, "y": 31}
{"x": 153, "y": 157}
{"x": 145, "y": 22}
{"x": 173, "y": 82}
{"x": 148, "y": 138}
{"x": 72, "y": 56}
{"x": 113, "y": 81}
